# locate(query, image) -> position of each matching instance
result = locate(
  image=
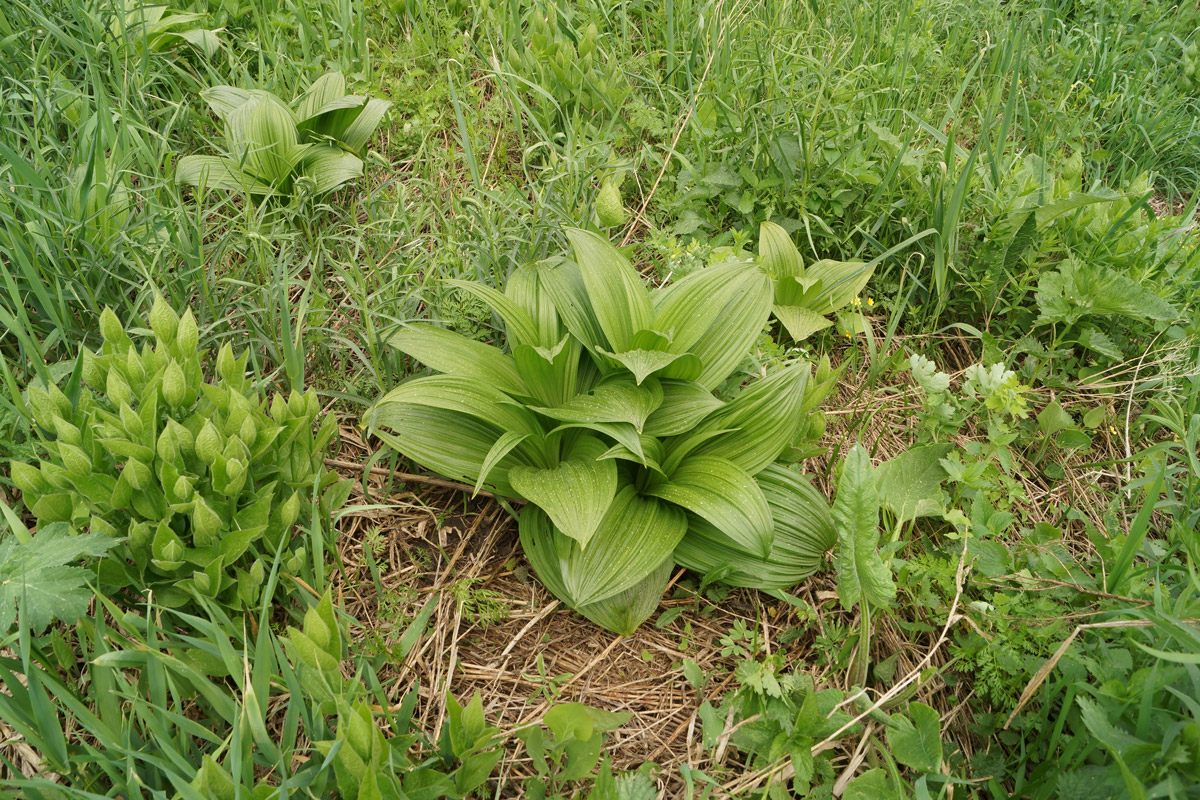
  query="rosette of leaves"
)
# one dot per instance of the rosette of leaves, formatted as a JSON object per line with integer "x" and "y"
{"x": 157, "y": 28}
{"x": 202, "y": 482}
{"x": 806, "y": 296}
{"x": 602, "y": 416}
{"x": 276, "y": 150}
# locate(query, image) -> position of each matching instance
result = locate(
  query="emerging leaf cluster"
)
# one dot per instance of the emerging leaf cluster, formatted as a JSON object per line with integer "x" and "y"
{"x": 201, "y": 482}
{"x": 602, "y": 415}
{"x": 278, "y": 151}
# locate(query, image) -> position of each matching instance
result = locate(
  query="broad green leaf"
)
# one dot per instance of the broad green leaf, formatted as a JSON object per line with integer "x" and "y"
{"x": 803, "y": 534}
{"x": 650, "y": 454}
{"x": 525, "y": 288}
{"x": 619, "y": 298}
{"x": 462, "y": 395}
{"x": 916, "y": 740}
{"x": 684, "y": 404}
{"x": 453, "y": 354}
{"x": 616, "y": 401}
{"x": 800, "y": 322}
{"x": 261, "y": 135}
{"x": 644, "y": 363}
{"x": 563, "y": 282}
{"x": 223, "y": 100}
{"x": 862, "y": 574}
{"x": 724, "y": 495}
{"x": 576, "y": 494}
{"x": 831, "y": 285}
{"x": 717, "y": 314}
{"x": 777, "y": 254}
{"x": 551, "y": 375}
{"x": 217, "y": 172}
{"x": 625, "y": 611}
{"x": 621, "y": 432}
{"x": 330, "y": 168}
{"x": 910, "y": 483}
{"x": 871, "y": 785}
{"x": 754, "y": 428}
{"x": 320, "y": 93}
{"x": 363, "y": 127}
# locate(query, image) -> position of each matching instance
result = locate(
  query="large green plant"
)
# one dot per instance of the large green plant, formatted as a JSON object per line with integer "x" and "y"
{"x": 202, "y": 482}
{"x": 281, "y": 151}
{"x": 602, "y": 416}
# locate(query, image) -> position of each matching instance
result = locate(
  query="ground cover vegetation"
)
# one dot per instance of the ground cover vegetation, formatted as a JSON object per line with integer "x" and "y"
{"x": 660, "y": 398}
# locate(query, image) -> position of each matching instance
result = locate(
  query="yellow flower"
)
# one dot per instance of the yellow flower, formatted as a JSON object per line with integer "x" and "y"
{"x": 870, "y": 301}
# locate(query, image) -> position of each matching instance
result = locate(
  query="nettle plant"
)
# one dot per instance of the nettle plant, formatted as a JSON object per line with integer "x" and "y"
{"x": 202, "y": 482}
{"x": 278, "y": 151}
{"x": 602, "y": 417}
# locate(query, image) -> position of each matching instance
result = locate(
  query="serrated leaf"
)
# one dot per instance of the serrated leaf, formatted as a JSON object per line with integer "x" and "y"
{"x": 862, "y": 574}
{"x": 42, "y": 579}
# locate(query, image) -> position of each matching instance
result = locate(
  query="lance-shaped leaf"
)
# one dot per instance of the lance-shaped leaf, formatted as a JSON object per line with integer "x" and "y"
{"x": 644, "y": 363}
{"x": 803, "y": 529}
{"x": 716, "y": 314}
{"x": 636, "y": 536}
{"x": 618, "y": 297}
{"x": 507, "y": 442}
{"x": 625, "y": 611}
{"x": 726, "y": 496}
{"x": 465, "y": 396}
{"x": 862, "y": 574}
{"x": 551, "y": 374}
{"x": 777, "y": 253}
{"x": 453, "y": 354}
{"x": 759, "y": 424}
{"x": 576, "y": 494}
{"x": 684, "y": 404}
{"x": 527, "y": 290}
{"x": 616, "y": 401}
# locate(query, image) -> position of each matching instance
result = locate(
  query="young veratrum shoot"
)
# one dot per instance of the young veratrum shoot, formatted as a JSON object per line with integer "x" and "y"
{"x": 602, "y": 416}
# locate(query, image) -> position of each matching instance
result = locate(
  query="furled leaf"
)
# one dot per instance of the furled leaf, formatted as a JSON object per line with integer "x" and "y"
{"x": 465, "y": 396}
{"x": 831, "y": 285}
{"x": 217, "y": 172}
{"x": 551, "y": 375}
{"x": 862, "y": 574}
{"x": 625, "y": 611}
{"x": 777, "y": 253}
{"x": 910, "y": 483}
{"x": 684, "y": 404}
{"x": 724, "y": 495}
{"x": 42, "y": 576}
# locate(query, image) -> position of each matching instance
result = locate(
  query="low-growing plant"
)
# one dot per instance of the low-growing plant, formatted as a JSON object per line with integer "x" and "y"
{"x": 202, "y": 482}
{"x": 277, "y": 151}
{"x": 157, "y": 28}
{"x": 603, "y": 418}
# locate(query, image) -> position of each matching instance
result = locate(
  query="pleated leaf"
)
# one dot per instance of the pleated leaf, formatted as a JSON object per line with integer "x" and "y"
{"x": 526, "y": 289}
{"x": 759, "y": 424}
{"x": 224, "y": 99}
{"x": 723, "y": 494}
{"x": 616, "y": 401}
{"x": 619, "y": 298}
{"x": 716, "y": 314}
{"x": 634, "y": 538}
{"x": 453, "y": 354}
{"x": 625, "y": 611}
{"x": 449, "y": 443}
{"x": 684, "y": 404}
{"x": 330, "y": 168}
{"x": 777, "y": 253}
{"x": 800, "y": 322}
{"x": 217, "y": 172}
{"x": 507, "y": 442}
{"x": 551, "y": 375}
{"x": 464, "y": 396}
{"x": 564, "y": 284}
{"x": 831, "y": 285}
{"x": 803, "y": 529}
{"x": 862, "y": 574}
{"x": 325, "y": 90}
{"x": 644, "y": 363}
{"x": 576, "y": 494}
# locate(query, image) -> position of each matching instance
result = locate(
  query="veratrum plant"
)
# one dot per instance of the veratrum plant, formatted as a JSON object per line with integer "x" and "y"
{"x": 273, "y": 150}
{"x": 156, "y": 28}
{"x": 806, "y": 296}
{"x": 203, "y": 482}
{"x": 602, "y": 416}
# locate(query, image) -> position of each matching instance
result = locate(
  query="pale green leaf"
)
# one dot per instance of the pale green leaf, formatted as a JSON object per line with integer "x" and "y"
{"x": 684, "y": 404}
{"x": 224, "y": 99}
{"x": 615, "y": 401}
{"x": 644, "y": 363}
{"x": 625, "y": 611}
{"x": 777, "y": 254}
{"x": 453, "y": 354}
{"x": 324, "y": 90}
{"x": 217, "y": 172}
{"x": 862, "y": 574}
{"x": 619, "y": 298}
{"x": 464, "y": 396}
{"x": 724, "y": 495}
{"x": 576, "y": 494}
{"x": 363, "y": 127}
{"x": 551, "y": 375}
{"x": 717, "y": 314}
{"x": 803, "y": 534}
{"x": 507, "y": 442}
{"x": 831, "y": 285}
{"x": 800, "y": 322}
{"x": 330, "y": 168}
{"x": 42, "y": 576}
